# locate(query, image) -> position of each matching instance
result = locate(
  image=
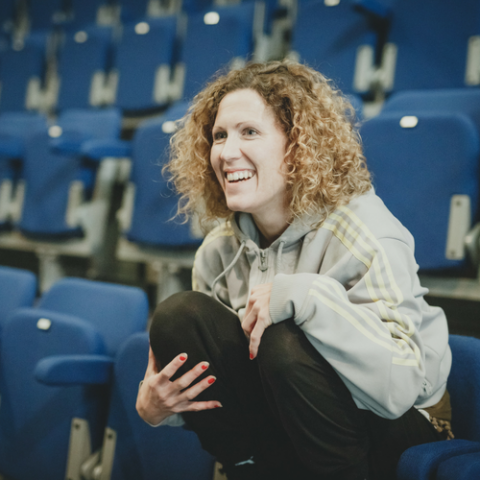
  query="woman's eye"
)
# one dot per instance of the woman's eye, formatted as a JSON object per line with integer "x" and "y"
{"x": 250, "y": 131}
{"x": 219, "y": 135}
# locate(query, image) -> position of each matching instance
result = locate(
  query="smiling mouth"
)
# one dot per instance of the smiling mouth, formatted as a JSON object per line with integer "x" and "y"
{"x": 240, "y": 176}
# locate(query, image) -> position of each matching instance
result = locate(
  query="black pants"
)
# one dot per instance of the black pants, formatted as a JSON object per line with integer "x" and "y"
{"x": 287, "y": 407}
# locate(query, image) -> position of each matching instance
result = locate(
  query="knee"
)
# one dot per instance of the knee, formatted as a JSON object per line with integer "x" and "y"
{"x": 176, "y": 316}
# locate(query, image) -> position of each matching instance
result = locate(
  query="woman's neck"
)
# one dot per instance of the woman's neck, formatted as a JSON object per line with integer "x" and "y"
{"x": 270, "y": 228}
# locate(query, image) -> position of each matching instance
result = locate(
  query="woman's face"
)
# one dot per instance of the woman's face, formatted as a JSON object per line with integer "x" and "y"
{"x": 247, "y": 155}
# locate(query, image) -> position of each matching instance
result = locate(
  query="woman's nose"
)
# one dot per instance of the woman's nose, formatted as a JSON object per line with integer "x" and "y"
{"x": 231, "y": 149}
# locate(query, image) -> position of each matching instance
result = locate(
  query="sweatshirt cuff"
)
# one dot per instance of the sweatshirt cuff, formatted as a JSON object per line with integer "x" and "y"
{"x": 288, "y": 295}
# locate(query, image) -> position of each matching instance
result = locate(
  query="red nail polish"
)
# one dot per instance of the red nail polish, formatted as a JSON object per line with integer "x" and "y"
{"x": 211, "y": 380}
{"x": 251, "y": 356}
{"x": 183, "y": 358}
{"x": 204, "y": 367}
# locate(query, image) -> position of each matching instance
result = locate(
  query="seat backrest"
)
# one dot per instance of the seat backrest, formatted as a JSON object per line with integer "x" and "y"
{"x": 432, "y": 41}
{"x": 464, "y": 387}
{"x": 461, "y": 100}
{"x": 21, "y": 124}
{"x": 414, "y": 174}
{"x": 143, "y": 452}
{"x": 17, "y": 289}
{"x": 155, "y": 202}
{"x": 48, "y": 177}
{"x": 213, "y": 40}
{"x": 82, "y": 67}
{"x": 331, "y": 38}
{"x": 116, "y": 311}
{"x": 19, "y": 69}
{"x": 143, "y": 63}
{"x": 91, "y": 124}
{"x": 35, "y": 419}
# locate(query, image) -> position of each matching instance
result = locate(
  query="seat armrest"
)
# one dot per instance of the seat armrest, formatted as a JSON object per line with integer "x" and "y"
{"x": 74, "y": 370}
{"x": 108, "y": 147}
{"x": 421, "y": 462}
{"x": 69, "y": 143}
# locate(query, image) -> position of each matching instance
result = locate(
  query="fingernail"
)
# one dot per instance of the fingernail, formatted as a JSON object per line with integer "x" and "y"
{"x": 204, "y": 366}
{"x": 218, "y": 406}
{"x": 251, "y": 356}
{"x": 211, "y": 380}
{"x": 183, "y": 357}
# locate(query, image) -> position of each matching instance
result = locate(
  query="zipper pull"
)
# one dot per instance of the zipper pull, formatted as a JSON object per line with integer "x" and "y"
{"x": 263, "y": 267}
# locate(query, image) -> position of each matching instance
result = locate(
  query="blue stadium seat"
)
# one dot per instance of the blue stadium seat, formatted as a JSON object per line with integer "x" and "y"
{"x": 15, "y": 127}
{"x": 338, "y": 41}
{"x": 133, "y": 449}
{"x": 49, "y": 174}
{"x": 150, "y": 233}
{"x": 35, "y": 420}
{"x": 433, "y": 45}
{"x": 21, "y": 76}
{"x": 82, "y": 66}
{"x": 154, "y": 203}
{"x": 217, "y": 39}
{"x": 410, "y": 156}
{"x": 17, "y": 289}
{"x": 427, "y": 461}
{"x": 68, "y": 342}
{"x": 143, "y": 63}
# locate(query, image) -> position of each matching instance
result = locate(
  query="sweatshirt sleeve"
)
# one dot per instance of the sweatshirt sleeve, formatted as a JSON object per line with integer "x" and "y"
{"x": 370, "y": 332}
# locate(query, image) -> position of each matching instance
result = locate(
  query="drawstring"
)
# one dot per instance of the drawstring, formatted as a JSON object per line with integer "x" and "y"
{"x": 279, "y": 257}
{"x": 235, "y": 259}
{"x": 232, "y": 264}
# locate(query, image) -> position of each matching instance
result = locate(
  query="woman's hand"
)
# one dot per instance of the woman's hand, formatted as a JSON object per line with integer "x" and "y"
{"x": 158, "y": 397}
{"x": 257, "y": 316}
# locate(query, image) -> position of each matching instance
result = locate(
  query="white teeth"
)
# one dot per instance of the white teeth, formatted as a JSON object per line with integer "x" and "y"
{"x": 241, "y": 175}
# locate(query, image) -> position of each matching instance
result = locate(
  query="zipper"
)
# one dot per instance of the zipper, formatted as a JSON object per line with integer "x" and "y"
{"x": 263, "y": 267}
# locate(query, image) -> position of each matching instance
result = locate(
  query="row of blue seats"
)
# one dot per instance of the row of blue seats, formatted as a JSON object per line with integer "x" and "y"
{"x": 151, "y": 63}
{"x": 72, "y": 14}
{"x": 70, "y": 365}
{"x": 362, "y": 44}
{"x": 391, "y": 45}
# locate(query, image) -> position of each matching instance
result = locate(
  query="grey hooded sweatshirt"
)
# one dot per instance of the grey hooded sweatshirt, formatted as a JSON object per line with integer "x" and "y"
{"x": 351, "y": 285}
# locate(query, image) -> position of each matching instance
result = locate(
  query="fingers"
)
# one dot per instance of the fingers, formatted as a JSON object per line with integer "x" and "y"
{"x": 170, "y": 369}
{"x": 255, "y": 338}
{"x": 197, "y": 406}
{"x": 248, "y": 322}
{"x": 198, "y": 388}
{"x": 186, "y": 379}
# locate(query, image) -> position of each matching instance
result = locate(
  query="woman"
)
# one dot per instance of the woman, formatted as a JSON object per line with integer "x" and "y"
{"x": 307, "y": 324}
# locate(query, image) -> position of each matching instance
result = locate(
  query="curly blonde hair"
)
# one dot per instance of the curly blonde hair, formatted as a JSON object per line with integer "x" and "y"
{"x": 325, "y": 167}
